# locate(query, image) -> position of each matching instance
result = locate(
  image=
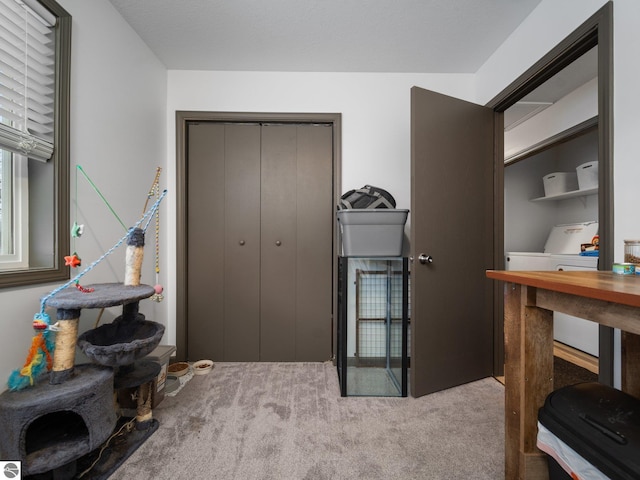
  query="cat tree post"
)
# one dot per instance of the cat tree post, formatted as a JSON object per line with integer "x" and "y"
{"x": 134, "y": 256}
{"x": 66, "y": 339}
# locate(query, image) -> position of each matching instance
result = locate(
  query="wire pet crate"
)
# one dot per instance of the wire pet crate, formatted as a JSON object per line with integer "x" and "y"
{"x": 379, "y": 315}
{"x": 373, "y": 326}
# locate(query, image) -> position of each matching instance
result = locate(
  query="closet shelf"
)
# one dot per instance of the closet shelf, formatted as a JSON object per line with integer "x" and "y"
{"x": 566, "y": 195}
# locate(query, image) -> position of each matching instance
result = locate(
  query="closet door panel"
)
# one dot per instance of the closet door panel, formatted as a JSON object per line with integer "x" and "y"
{"x": 205, "y": 244}
{"x": 259, "y": 241}
{"x": 314, "y": 253}
{"x": 278, "y": 241}
{"x": 242, "y": 243}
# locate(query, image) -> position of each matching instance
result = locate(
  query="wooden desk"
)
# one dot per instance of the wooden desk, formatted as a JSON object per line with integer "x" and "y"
{"x": 530, "y": 299}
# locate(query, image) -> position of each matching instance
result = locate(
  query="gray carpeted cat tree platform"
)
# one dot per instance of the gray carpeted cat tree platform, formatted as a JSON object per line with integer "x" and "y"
{"x": 61, "y": 424}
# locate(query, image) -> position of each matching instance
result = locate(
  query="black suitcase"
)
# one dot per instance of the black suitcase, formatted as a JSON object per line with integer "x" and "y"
{"x": 600, "y": 423}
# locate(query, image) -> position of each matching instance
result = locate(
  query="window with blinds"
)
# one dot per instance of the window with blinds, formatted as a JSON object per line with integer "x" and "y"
{"x": 27, "y": 79}
{"x": 35, "y": 55}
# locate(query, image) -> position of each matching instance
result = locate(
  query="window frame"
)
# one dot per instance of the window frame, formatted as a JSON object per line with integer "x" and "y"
{"x": 61, "y": 162}
{"x": 15, "y": 195}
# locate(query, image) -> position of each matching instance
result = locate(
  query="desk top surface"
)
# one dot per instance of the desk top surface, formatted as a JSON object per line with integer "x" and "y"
{"x": 607, "y": 286}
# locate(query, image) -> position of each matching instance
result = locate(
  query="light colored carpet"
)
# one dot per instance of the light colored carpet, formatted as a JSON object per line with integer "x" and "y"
{"x": 287, "y": 421}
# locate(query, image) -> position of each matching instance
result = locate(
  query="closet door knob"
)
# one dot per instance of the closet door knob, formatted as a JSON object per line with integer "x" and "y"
{"x": 241, "y": 242}
{"x": 278, "y": 243}
{"x": 425, "y": 259}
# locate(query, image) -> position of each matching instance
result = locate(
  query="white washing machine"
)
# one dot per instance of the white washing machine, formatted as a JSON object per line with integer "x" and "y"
{"x": 576, "y": 332}
{"x": 562, "y": 252}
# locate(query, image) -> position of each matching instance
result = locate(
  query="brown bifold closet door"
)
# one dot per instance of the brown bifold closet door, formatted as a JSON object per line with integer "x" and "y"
{"x": 205, "y": 241}
{"x": 297, "y": 215}
{"x": 260, "y": 242}
{"x": 279, "y": 243}
{"x": 242, "y": 243}
{"x": 224, "y": 242}
{"x": 314, "y": 256}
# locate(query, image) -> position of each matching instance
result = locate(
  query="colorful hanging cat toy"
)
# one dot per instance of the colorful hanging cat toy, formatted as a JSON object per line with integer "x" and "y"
{"x": 40, "y": 355}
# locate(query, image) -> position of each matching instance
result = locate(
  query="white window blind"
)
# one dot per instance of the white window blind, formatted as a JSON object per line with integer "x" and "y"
{"x": 27, "y": 79}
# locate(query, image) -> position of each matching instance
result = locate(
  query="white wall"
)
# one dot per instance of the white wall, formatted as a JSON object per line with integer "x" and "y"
{"x": 542, "y": 30}
{"x": 118, "y": 97}
{"x": 626, "y": 106}
{"x": 626, "y": 122}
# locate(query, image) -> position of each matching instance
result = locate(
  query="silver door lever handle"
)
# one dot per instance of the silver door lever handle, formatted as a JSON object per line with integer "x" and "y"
{"x": 424, "y": 259}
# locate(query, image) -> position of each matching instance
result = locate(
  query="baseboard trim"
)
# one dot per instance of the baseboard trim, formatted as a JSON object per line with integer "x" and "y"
{"x": 572, "y": 355}
{"x": 575, "y": 356}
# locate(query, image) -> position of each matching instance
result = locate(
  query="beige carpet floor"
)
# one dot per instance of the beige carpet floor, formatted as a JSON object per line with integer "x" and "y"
{"x": 287, "y": 421}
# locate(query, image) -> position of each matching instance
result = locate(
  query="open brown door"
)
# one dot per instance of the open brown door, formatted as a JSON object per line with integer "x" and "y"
{"x": 452, "y": 178}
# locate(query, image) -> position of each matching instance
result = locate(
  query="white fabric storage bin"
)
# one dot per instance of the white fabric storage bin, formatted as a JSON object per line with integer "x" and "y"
{"x": 372, "y": 232}
{"x": 587, "y": 175}
{"x": 560, "y": 182}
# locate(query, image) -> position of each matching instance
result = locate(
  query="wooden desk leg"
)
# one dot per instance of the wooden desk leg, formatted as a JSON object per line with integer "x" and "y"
{"x": 630, "y": 358}
{"x": 512, "y": 379}
{"x": 528, "y": 380}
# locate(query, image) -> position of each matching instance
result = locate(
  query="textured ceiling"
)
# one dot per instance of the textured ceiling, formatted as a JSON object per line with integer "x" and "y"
{"x": 411, "y": 36}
